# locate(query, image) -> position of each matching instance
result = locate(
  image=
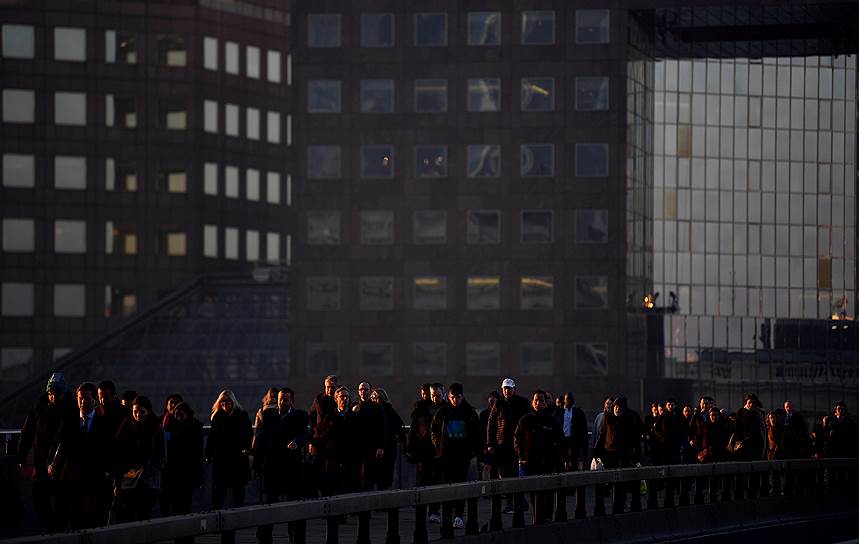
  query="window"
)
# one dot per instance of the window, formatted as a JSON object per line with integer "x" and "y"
{"x": 69, "y": 236}
{"x": 323, "y": 30}
{"x": 323, "y": 292}
{"x": 231, "y": 58}
{"x": 272, "y": 127}
{"x": 537, "y": 160}
{"x": 272, "y": 189}
{"x": 591, "y": 160}
{"x": 17, "y": 299}
{"x": 252, "y": 124}
{"x": 122, "y": 238}
{"x": 70, "y": 108}
{"x": 18, "y": 42}
{"x": 377, "y": 29}
{"x": 377, "y": 227}
{"x": 483, "y": 226}
{"x": 251, "y": 246}
{"x": 120, "y": 111}
{"x": 483, "y": 293}
{"x": 171, "y": 50}
{"x": 377, "y": 95}
{"x": 430, "y": 293}
{"x": 537, "y": 293}
{"x": 210, "y": 116}
{"x": 272, "y": 247}
{"x": 431, "y": 161}
{"x": 125, "y": 173}
{"x": 19, "y": 106}
{"x": 173, "y": 113}
{"x": 430, "y": 95}
{"x": 69, "y": 300}
{"x": 430, "y": 359}
{"x": 322, "y": 358}
{"x": 69, "y": 172}
{"x": 174, "y": 243}
{"x": 210, "y": 53}
{"x": 19, "y": 235}
{"x": 231, "y": 120}
{"x": 591, "y": 226}
{"x": 323, "y": 227}
{"x": 210, "y": 241}
{"x": 252, "y": 62}
{"x": 592, "y": 292}
{"x": 482, "y": 358}
{"x": 231, "y": 182}
{"x": 591, "y": 93}
{"x": 536, "y": 359}
{"x": 430, "y": 226}
{"x": 323, "y": 161}
{"x": 19, "y": 170}
{"x": 591, "y": 359}
{"x": 173, "y": 181}
{"x": 538, "y": 27}
{"x": 538, "y": 94}
{"x": 484, "y": 28}
{"x": 377, "y": 161}
{"x": 120, "y": 47}
{"x": 431, "y": 29}
{"x": 231, "y": 243}
{"x": 537, "y": 226}
{"x": 272, "y": 66}
{"x": 484, "y": 94}
{"x": 376, "y": 293}
{"x": 117, "y": 301}
{"x": 15, "y": 357}
{"x": 376, "y": 359}
{"x": 323, "y": 96}
{"x": 252, "y": 184}
{"x": 592, "y": 26}
{"x": 70, "y": 44}
{"x": 484, "y": 161}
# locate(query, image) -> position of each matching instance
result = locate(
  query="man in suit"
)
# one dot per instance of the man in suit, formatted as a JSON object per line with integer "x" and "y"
{"x": 575, "y": 427}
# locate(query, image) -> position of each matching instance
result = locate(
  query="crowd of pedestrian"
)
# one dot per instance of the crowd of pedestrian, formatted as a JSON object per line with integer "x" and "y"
{"x": 100, "y": 458}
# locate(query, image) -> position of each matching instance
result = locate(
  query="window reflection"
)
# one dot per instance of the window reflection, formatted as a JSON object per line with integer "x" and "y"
{"x": 591, "y": 226}
{"x": 537, "y": 226}
{"x": 323, "y": 30}
{"x": 431, "y": 161}
{"x": 16, "y": 299}
{"x": 430, "y": 95}
{"x": 484, "y": 161}
{"x": 323, "y": 293}
{"x": 377, "y": 161}
{"x": 376, "y": 293}
{"x": 484, "y": 95}
{"x": 592, "y": 26}
{"x": 591, "y": 93}
{"x": 430, "y": 359}
{"x": 377, "y": 95}
{"x": 537, "y": 292}
{"x": 323, "y": 161}
{"x": 377, "y": 227}
{"x": 591, "y": 292}
{"x": 323, "y": 227}
{"x": 376, "y": 359}
{"x": 536, "y": 359}
{"x": 537, "y": 160}
{"x": 430, "y": 293}
{"x": 323, "y": 96}
{"x": 431, "y": 29}
{"x": 483, "y": 227}
{"x": 484, "y": 28}
{"x": 377, "y": 30}
{"x": 430, "y": 227}
{"x": 483, "y": 292}
{"x": 537, "y": 94}
{"x": 538, "y": 27}
{"x": 591, "y": 359}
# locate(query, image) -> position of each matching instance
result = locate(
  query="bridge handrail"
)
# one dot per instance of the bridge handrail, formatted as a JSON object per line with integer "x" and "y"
{"x": 169, "y": 528}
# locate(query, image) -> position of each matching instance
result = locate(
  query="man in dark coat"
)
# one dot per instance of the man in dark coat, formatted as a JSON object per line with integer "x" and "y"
{"x": 619, "y": 443}
{"x": 539, "y": 443}
{"x": 842, "y": 435}
{"x": 337, "y": 445}
{"x": 798, "y": 430}
{"x": 323, "y": 403}
{"x": 40, "y": 432}
{"x": 371, "y": 418}
{"x": 419, "y": 446}
{"x": 110, "y": 407}
{"x": 670, "y": 432}
{"x": 750, "y": 431}
{"x": 503, "y": 418}
{"x": 574, "y": 425}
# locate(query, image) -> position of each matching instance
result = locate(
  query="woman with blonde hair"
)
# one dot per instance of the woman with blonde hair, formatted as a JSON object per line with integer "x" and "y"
{"x": 269, "y": 402}
{"x": 228, "y": 448}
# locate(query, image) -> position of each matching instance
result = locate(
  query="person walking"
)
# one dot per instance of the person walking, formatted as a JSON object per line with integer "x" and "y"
{"x": 371, "y": 418}
{"x": 486, "y": 466}
{"x": 503, "y": 418}
{"x": 419, "y": 446}
{"x": 575, "y": 429}
{"x": 618, "y": 444}
{"x": 539, "y": 444}
{"x": 338, "y": 446}
{"x": 183, "y": 470}
{"x": 394, "y": 436}
{"x": 228, "y": 448}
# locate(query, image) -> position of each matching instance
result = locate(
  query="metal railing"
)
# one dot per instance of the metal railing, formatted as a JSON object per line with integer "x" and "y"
{"x": 667, "y": 486}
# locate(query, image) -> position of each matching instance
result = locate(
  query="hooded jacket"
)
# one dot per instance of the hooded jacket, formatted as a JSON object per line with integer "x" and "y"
{"x": 619, "y": 435}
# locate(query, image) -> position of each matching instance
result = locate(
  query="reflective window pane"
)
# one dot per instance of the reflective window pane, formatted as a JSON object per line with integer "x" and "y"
{"x": 376, "y": 293}
{"x": 484, "y": 28}
{"x": 376, "y": 359}
{"x": 19, "y": 106}
{"x": 210, "y": 241}
{"x": 19, "y": 235}
{"x": 538, "y": 27}
{"x": 537, "y": 293}
{"x": 70, "y": 44}
{"x": 272, "y": 190}
{"x": 430, "y": 359}
{"x": 377, "y": 227}
{"x": 592, "y": 292}
{"x": 173, "y": 113}
{"x": 592, "y": 26}
{"x": 231, "y": 119}
{"x": 15, "y": 357}
{"x": 323, "y": 96}
{"x": 430, "y": 95}
{"x": 251, "y": 246}
{"x": 173, "y": 181}
{"x": 231, "y": 243}
{"x": 120, "y": 111}
{"x": 431, "y": 161}
{"x": 431, "y": 29}
{"x": 70, "y": 109}
{"x": 272, "y": 247}
{"x": 120, "y": 47}
{"x": 591, "y": 359}
{"x": 537, "y": 160}
{"x": 171, "y": 50}
{"x": 18, "y": 42}
{"x": 377, "y": 29}
{"x": 591, "y": 226}
{"x": 483, "y": 226}
{"x": 377, "y": 161}
{"x": 17, "y": 299}
{"x": 19, "y": 170}
{"x": 69, "y": 300}
{"x": 231, "y": 58}
{"x": 591, "y": 93}
{"x": 272, "y": 66}
{"x": 231, "y": 182}
{"x": 252, "y": 125}
{"x": 536, "y": 359}
{"x": 323, "y": 161}
{"x": 323, "y": 227}
{"x": 272, "y": 127}
{"x": 70, "y": 172}
{"x": 210, "y": 116}
{"x": 482, "y": 358}
{"x": 430, "y": 227}
{"x": 210, "y": 53}
{"x": 377, "y": 95}
{"x": 252, "y": 62}
{"x": 537, "y": 226}
{"x": 252, "y": 184}
{"x": 483, "y": 293}
{"x": 323, "y": 293}
{"x": 323, "y": 30}
{"x": 537, "y": 94}
{"x": 69, "y": 236}
{"x": 484, "y": 94}
{"x": 484, "y": 161}
{"x": 322, "y": 359}
{"x": 591, "y": 160}
{"x": 430, "y": 293}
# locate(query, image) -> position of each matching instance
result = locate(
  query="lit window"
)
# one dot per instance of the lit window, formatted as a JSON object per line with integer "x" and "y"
{"x": 231, "y": 243}
{"x": 252, "y": 124}
{"x": 69, "y": 300}
{"x": 70, "y": 44}
{"x": 538, "y": 27}
{"x": 272, "y": 190}
{"x": 537, "y": 226}
{"x": 376, "y": 293}
{"x": 18, "y": 42}
{"x": 272, "y": 67}
{"x": 70, "y": 172}
{"x": 592, "y": 26}
{"x": 430, "y": 227}
{"x": 252, "y": 184}
{"x": 377, "y": 95}
{"x": 171, "y": 50}
{"x": 484, "y": 94}
{"x": 536, "y": 359}
{"x": 174, "y": 114}
{"x": 431, "y": 29}
{"x": 431, "y": 161}
{"x": 538, "y": 94}
{"x": 210, "y": 53}
{"x": 592, "y": 292}
{"x": 231, "y": 182}
{"x": 591, "y": 93}
{"x": 483, "y": 226}
{"x": 272, "y": 247}
{"x": 430, "y": 359}
{"x": 377, "y": 227}
{"x": 252, "y": 62}
{"x": 482, "y": 358}
{"x": 70, "y": 236}
{"x": 430, "y": 293}
{"x": 19, "y": 235}
{"x": 122, "y": 238}
{"x": 377, "y": 30}
{"x": 323, "y": 227}
{"x": 537, "y": 292}
{"x": 591, "y": 160}
{"x": 377, "y": 161}
{"x": 120, "y": 47}
{"x": 175, "y": 244}
{"x": 19, "y": 170}
{"x": 231, "y": 58}
{"x": 323, "y": 30}
{"x": 231, "y": 120}
{"x": 120, "y": 111}
{"x": 124, "y": 173}
{"x": 210, "y": 116}
{"x": 17, "y": 299}
{"x": 537, "y": 160}
{"x": 430, "y": 95}
{"x": 484, "y": 161}
{"x": 483, "y": 293}
{"x": 323, "y": 96}
{"x": 173, "y": 182}
{"x": 70, "y": 108}
{"x": 323, "y": 292}
{"x": 591, "y": 226}
{"x": 272, "y": 127}
{"x": 210, "y": 241}
{"x": 484, "y": 28}
{"x": 251, "y": 246}
{"x": 591, "y": 359}
{"x": 323, "y": 161}
{"x": 376, "y": 359}
{"x": 117, "y": 301}
{"x": 210, "y": 178}
{"x": 19, "y": 106}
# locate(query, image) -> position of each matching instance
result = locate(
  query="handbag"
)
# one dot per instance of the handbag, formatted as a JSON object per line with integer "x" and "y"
{"x": 130, "y": 479}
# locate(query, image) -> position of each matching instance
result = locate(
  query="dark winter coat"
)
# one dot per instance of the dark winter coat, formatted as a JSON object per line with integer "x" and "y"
{"x": 230, "y": 435}
{"x": 619, "y": 438}
{"x": 539, "y": 443}
{"x": 419, "y": 445}
{"x": 41, "y": 431}
{"x": 456, "y": 433}
{"x": 712, "y": 438}
{"x": 280, "y": 466}
{"x": 184, "y": 467}
{"x": 373, "y": 427}
{"x": 322, "y": 406}
{"x": 82, "y": 455}
{"x": 669, "y": 432}
{"x": 749, "y": 428}
{"x": 576, "y": 444}
{"x": 141, "y": 445}
{"x": 503, "y": 418}
{"x": 842, "y": 437}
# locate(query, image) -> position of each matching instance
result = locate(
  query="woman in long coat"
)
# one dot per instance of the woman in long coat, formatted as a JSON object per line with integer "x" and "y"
{"x": 141, "y": 449}
{"x": 183, "y": 473}
{"x": 228, "y": 448}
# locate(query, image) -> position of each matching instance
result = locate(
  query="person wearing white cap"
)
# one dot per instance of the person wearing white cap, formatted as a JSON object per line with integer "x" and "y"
{"x": 503, "y": 418}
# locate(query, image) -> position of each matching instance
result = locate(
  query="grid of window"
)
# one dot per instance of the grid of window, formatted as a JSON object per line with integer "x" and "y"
{"x": 18, "y": 42}
{"x": 377, "y": 30}
{"x": 431, "y": 29}
{"x": 377, "y": 95}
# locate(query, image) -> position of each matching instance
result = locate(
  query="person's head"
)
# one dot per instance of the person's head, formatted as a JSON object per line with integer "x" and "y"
{"x": 171, "y": 402}
{"x": 492, "y": 398}
{"x": 342, "y": 398}
{"x": 56, "y": 387}
{"x": 772, "y": 418}
{"x": 436, "y": 394}
{"x": 660, "y": 409}
{"x": 329, "y": 385}
{"x": 704, "y": 403}
{"x": 379, "y": 396}
{"x": 85, "y": 395}
{"x": 538, "y": 400}
{"x": 226, "y": 402}
{"x": 606, "y": 404}
{"x": 654, "y": 409}
{"x": 141, "y": 408}
{"x": 618, "y": 407}
{"x": 364, "y": 390}
{"x": 508, "y": 388}
{"x": 285, "y": 400}
{"x": 569, "y": 399}
{"x": 559, "y": 402}
{"x": 670, "y": 404}
{"x": 128, "y": 397}
{"x": 183, "y": 412}
{"x": 788, "y": 406}
{"x": 840, "y": 409}
{"x": 750, "y": 401}
{"x": 270, "y": 396}
{"x": 714, "y": 414}
{"x": 425, "y": 391}
{"x": 687, "y": 411}
{"x": 455, "y": 394}
{"x": 106, "y": 392}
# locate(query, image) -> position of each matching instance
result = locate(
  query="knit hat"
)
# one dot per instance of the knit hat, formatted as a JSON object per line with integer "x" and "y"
{"x": 57, "y": 383}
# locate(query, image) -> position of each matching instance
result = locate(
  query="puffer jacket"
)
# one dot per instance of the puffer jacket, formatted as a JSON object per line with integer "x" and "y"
{"x": 503, "y": 418}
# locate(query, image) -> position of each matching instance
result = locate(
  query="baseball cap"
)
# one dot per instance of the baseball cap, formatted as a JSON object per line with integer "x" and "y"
{"x": 508, "y": 382}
